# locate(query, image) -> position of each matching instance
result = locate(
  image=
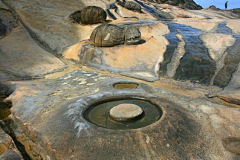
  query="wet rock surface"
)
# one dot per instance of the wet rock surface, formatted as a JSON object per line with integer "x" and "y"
{"x": 189, "y": 4}
{"x": 60, "y": 107}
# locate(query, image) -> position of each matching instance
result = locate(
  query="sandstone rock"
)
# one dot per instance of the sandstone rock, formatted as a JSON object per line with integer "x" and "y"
{"x": 189, "y": 4}
{"x": 11, "y": 155}
{"x": 8, "y": 149}
{"x": 231, "y": 63}
{"x": 108, "y": 35}
{"x": 89, "y": 15}
{"x": 125, "y": 112}
{"x": 232, "y": 144}
{"x": 231, "y": 92}
{"x": 183, "y": 127}
{"x": 27, "y": 58}
{"x": 47, "y": 26}
{"x": 6, "y": 142}
{"x": 20, "y": 56}
{"x": 142, "y": 61}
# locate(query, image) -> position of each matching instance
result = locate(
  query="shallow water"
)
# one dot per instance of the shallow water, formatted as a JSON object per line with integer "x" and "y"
{"x": 98, "y": 114}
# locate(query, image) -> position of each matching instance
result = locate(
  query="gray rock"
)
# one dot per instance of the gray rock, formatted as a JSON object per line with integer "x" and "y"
{"x": 11, "y": 155}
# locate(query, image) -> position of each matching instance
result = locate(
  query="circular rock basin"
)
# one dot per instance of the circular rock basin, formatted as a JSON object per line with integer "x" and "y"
{"x": 109, "y": 114}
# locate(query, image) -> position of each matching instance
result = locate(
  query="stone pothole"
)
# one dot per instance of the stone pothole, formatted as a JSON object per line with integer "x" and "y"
{"x": 125, "y": 85}
{"x": 122, "y": 114}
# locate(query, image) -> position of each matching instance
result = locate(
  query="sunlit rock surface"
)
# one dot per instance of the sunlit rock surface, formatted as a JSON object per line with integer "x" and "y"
{"x": 187, "y": 65}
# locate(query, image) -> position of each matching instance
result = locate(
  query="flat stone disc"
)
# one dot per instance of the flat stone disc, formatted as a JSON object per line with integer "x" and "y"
{"x": 126, "y": 112}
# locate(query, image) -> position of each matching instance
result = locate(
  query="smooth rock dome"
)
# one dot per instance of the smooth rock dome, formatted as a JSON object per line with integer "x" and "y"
{"x": 126, "y": 112}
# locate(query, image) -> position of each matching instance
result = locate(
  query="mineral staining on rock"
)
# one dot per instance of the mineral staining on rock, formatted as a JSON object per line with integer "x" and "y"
{"x": 108, "y": 35}
{"x": 89, "y": 15}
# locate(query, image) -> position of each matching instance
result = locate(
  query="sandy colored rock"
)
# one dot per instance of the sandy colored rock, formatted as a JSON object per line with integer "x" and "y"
{"x": 234, "y": 25}
{"x": 217, "y": 44}
{"x": 141, "y": 59}
{"x": 125, "y": 112}
{"x": 203, "y": 25}
{"x": 24, "y": 57}
{"x": 231, "y": 93}
{"x": 50, "y": 28}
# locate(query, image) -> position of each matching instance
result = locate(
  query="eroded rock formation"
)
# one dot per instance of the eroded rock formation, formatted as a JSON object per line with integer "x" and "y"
{"x": 108, "y": 35}
{"x": 89, "y": 15}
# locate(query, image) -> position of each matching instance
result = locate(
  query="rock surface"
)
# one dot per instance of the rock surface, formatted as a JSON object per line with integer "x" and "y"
{"x": 189, "y": 4}
{"x": 194, "y": 54}
{"x": 206, "y": 122}
{"x": 20, "y": 56}
{"x": 8, "y": 149}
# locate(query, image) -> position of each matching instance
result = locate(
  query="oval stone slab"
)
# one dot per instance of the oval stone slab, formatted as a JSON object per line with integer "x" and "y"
{"x": 126, "y": 112}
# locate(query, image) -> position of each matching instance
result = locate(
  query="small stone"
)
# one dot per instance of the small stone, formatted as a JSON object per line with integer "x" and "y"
{"x": 126, "y": 112}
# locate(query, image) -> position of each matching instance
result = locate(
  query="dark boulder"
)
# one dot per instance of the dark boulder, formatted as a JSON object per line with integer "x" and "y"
{"x": 108, "y": 35}
{"x": 132, "y": 6}
{"x": 132, "y": 35}
{"x": 89, "y": 15}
